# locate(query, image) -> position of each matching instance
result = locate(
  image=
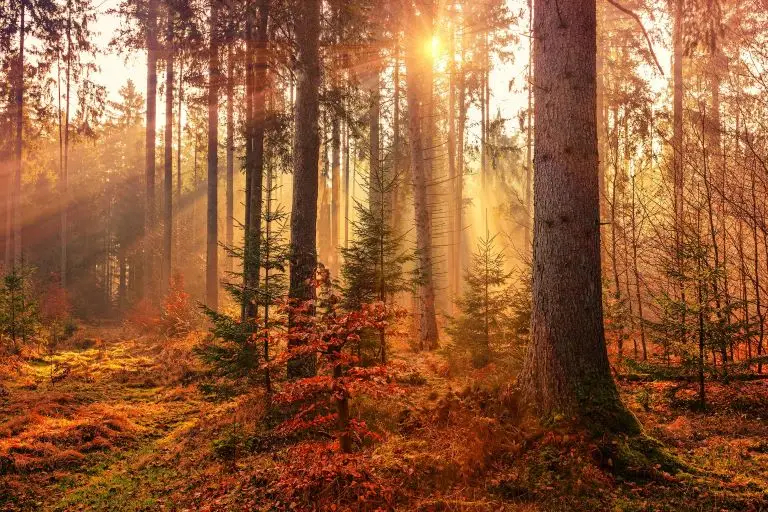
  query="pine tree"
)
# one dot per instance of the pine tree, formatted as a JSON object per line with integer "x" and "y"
{"x": 239, "y": 348}
{"x": 484, "y": 306}
{"x": 18, "y": 310}
{"x": 375, "y": 257}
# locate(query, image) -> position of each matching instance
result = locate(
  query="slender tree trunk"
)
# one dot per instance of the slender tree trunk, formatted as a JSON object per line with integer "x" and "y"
{"x": 566, "y": 369}
{"x": 346, "y": 185}
{"x": 417, "y": 90}
{"x": 636, "y": 270}
{"x": 529, "y": 136}
{"x": 335, "y": 192}
{"x": 374, "y": 150}
{"x": 212, "y": 245}
{"x": 19, "y": 149}
{"x": 678, "y": 160}
{"x": 230, "y": 220}
{"x": 149, "y": 165}
{"x": 179, "y": 134}
{"x": 396, "y": 150}
{"x": 306, "y": 149}
{"x": 614, "y": 226}
{"x": 756, "y": 261}
{"x": 461, "y": 244}
{"x": 453, "y": 228}
{"x": 65, "y": 168}
{"x": 168, "y": 179}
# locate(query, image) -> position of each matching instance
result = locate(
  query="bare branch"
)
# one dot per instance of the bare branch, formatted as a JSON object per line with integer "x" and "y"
{"x": 645, "y": 32}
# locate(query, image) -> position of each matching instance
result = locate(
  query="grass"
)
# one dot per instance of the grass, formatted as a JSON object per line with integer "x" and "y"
{"x": 124, "y": 431}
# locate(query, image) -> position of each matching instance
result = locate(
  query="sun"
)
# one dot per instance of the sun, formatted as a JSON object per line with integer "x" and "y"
{"x": 434, "y": 47}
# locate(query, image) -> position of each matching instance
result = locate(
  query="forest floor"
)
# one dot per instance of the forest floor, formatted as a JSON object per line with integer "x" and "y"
{"x": 115, "y": 422}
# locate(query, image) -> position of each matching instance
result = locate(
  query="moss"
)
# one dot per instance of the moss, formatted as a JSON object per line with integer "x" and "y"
{"x": 641, "y": 456}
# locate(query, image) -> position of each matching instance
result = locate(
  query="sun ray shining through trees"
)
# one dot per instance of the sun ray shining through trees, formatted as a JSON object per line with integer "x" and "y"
{"x": 383, "y": 254}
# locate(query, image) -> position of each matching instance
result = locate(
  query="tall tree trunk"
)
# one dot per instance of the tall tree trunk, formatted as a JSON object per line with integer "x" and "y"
{"x": 374, "y": 148}
{"x": 418, "y": 128}
{"x": 168, "y": 179}
{"x": 178, "y": 156}
{"x": 529, "y": 137}
{"x": 566, "y": 368}
{"x": 454, "y": 229}
{"x": 212, "y": 245}
{"x": 396, "y": 186}
{"x": 636, "y": 269}
{"x": 179, "y": 133}
{"x": 678, "y": 160}
{"x": 65, "y": 168}
{"x": 306, "y": 152}
{"x": 149, "y": 165}
{"x": 230, "y": 221}
{"x": 256, "y": 78}
{"x": 19, "y": 149}
{"x": 461, "y": 244}
{"x": 347, "y": 196}
{"x": 335, "y": 192}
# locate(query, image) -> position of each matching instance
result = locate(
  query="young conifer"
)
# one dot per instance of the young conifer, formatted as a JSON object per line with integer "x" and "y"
{"x": 484, "y": 306}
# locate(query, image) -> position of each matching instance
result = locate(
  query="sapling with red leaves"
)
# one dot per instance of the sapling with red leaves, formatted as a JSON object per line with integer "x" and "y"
{"x": 56, "y": 314}
{"x": 327, "y": 332}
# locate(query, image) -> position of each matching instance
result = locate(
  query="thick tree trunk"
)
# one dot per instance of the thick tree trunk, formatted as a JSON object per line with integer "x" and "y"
{"x": 149, "y": 164}
{"x": 416, "y": 92}
{"x": 168, "y": 175}
{"x": 256, "y": 107}
{"x": 566, "y": 368}
{"x": 306, "y": 152}
{"x": 212, "y": 245}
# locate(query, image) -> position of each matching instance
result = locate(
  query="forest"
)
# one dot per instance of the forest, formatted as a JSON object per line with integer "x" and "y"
{"x": 384, "y": 255}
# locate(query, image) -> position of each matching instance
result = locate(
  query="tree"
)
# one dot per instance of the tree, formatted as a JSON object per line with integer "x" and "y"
{"x": 18, "y": 312}
{"x": 374, "y": 259}
{"x": 419, "y": 86}
{"x": 566, "y": 369}
{"x": 484, "y": 303}
{"x": 165, "y": 275}
{"x": 256, "y": 70}
{"x": 212, "y": 245}
{"x": 306, "y": 153}
{"x": 151, "y": 126}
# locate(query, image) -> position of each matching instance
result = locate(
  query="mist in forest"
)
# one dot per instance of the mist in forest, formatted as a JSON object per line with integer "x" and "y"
{"x": 383, "y": 255}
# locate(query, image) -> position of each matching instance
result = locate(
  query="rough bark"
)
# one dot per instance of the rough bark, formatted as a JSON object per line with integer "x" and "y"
{"x": 566, "y": 369}
{"x": 306, "y": 152}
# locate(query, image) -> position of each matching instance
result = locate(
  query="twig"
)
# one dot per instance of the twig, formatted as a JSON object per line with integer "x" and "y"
{"x": 645, "y": 32}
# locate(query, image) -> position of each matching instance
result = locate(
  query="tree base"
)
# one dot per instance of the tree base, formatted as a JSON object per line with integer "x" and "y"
{"x": 640, "y": 456}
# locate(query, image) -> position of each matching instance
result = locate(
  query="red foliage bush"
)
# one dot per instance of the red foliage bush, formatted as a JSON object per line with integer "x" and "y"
{"x": 178, "y": 315}
{"x": 144, "y": 315}
{"x": 331, "y": 481}
{"x": 328, "y": 338}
